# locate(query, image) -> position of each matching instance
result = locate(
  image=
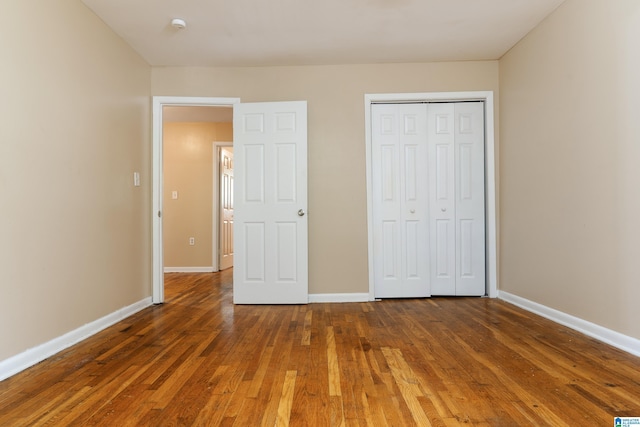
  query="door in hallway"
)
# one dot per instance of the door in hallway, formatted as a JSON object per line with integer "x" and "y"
{"x": 226, "y": 208}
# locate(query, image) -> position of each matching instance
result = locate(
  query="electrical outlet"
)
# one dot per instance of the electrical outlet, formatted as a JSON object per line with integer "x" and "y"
{"x": 192, "y": 241}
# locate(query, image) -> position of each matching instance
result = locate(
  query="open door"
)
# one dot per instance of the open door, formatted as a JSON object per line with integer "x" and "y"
{"x": 225, "y": 247}
{"x": 270, "y": 193}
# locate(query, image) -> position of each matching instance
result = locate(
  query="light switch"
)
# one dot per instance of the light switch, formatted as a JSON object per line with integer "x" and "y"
{"x": 174, "y": 194}
{"x": 136, "y": 179}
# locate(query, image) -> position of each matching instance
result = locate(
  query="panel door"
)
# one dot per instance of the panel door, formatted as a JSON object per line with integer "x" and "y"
{"x": 270, "y": 227}
{"x": 226, "y": 208}
{"x": 470, "y": 206}
{"x": 442, "y": 206}
{"x": 400, "y": 193}
{"x": 457, "y": 223}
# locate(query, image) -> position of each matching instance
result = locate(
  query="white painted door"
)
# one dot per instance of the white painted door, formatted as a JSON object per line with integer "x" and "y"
{"x": 428, "y": 199}
{"x": 456, "y": 176}
{"x": 470, "y": 207}
{"x": 400, "y": 200}
{"x": 270, "y": 227}
{"x": 443, "y": 199}
{"x": 226, "y": 208}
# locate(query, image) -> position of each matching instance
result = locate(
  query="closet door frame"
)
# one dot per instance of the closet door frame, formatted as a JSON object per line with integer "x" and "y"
{"x": 490, "y": 177}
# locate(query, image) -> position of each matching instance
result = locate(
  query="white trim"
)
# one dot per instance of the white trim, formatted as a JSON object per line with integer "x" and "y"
{"x": 608, "y": 336}
{"x": 189, "y": 269}
{"x": 158, "y": 103}
{"x": 316, "y": 298}
{"x": 215, "y": 207}
{"x": 491, "y": 225}
{"x": 28, "y": 358}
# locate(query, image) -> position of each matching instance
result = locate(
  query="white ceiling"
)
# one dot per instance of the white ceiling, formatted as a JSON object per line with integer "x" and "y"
{"x": 320, "y": 32}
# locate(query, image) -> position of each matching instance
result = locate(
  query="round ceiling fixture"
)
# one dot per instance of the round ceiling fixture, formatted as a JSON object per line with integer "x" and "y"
{"x": 178, "y": 23}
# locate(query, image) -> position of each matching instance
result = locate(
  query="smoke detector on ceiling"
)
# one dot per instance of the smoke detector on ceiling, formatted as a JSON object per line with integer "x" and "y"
{"x": 178, "y": 23}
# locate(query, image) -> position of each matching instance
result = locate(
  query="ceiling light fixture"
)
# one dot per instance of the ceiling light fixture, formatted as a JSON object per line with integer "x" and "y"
{"x": 178, "y": 23}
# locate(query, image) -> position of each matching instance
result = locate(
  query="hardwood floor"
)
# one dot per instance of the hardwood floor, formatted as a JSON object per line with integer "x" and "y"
{"x": 200, "y": 360}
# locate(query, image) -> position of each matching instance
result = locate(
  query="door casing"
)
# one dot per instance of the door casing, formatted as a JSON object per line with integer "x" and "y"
{"x": 490, "y": 181}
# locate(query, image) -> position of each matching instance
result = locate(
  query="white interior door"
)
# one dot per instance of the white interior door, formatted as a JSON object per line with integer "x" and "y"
{"x": 400, "y": 200}
{"x": 226, "y": 208}
{"x": 428, "y": 199}
{"x": 270, "y": 225}
{"x": 456, "y": 165}
{"x": 470, "y": 208}
{"x": 442, "y": 166}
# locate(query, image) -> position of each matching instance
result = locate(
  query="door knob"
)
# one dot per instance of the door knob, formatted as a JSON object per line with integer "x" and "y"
{"x": 300, "y": 212}
{"x": 443, "y": 209}
{"x": 412, "y": 210}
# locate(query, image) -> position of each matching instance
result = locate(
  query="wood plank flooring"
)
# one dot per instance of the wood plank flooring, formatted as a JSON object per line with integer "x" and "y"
{"x": 198, "y": 360}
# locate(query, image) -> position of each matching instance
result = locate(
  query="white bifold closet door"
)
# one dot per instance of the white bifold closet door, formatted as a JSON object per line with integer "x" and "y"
{"x": 428, "y": 199}
{"x": 400, "y": 200}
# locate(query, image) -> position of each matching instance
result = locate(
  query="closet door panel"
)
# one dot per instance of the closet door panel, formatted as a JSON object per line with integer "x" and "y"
{"x": 441, "y": 166}
{"x": 470, "y": 207}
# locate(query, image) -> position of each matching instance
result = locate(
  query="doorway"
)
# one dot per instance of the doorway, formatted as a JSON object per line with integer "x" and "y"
{"x": 158, "y": 198}
{"x": 489, "y": 176}
{"x": 192, "y": 137}
{"x": 257, "y": 130}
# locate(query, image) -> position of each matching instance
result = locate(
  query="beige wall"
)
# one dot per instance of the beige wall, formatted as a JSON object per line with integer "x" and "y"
{"x": 188, "y": 168}
{"x": 570, "y": 163}
{"x": 74, "y": 232}
{"x": 337, "y": 182}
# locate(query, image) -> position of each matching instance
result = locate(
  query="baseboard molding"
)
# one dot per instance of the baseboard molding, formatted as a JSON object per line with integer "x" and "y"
{"x": 26, "y": 359}
{"x": 188, "y": 269}
{"x": 616, "y": 339}
{"x": 316, "y": 298}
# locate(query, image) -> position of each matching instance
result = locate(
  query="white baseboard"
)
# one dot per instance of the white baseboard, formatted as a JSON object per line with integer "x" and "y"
{"x": 616, "y": 339}
{"x": 26, "y": 359}
{"x": 189, "y": 269}
{"x": 364, "y": 297}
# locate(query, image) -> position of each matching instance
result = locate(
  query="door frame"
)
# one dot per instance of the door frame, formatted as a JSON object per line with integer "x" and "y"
{"x": 490, "y": 169}
{"x": 157, "y": 294}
